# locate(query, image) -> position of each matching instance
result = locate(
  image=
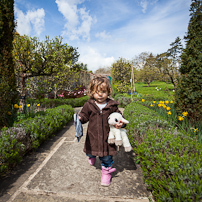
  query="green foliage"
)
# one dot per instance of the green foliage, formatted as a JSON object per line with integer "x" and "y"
{"x": 35, "y": 58}
{"x": 149, "y": 72}
{"x": 8, "y": 93}
{"x": 121, "y": 75}
{"x": 171, "y": 166}
{"x": 188, "y": 93}
{"x": 168, "y": 62}
{"x": 30, "y": 133}
{"x": 51, "y": 103}
{"x": 141, "y": 119}
{"x": 123, "y": 100}
{"x": 10, "y": 150}
{"x": 170, "y": 160}
{"x": 42, "y": 126}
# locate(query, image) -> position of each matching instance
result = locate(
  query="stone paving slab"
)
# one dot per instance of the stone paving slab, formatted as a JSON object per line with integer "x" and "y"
{"x": 65, "y": 175}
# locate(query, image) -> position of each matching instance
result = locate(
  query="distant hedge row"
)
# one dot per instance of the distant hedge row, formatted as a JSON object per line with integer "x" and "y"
{"x": 170, "y": 160}
{"x": 51, "y": 103}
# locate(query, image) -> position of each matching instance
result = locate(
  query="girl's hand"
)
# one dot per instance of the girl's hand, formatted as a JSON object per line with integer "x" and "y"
{"x": 119, "y": 125}
{"x": 79, "y": 118}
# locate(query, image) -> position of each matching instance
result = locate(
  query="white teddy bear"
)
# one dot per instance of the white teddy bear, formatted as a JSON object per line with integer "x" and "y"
{"x": 118, "y": 136}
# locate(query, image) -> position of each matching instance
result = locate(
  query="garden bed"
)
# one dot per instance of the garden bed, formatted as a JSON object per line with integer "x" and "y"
{"x": 170, "y": 160}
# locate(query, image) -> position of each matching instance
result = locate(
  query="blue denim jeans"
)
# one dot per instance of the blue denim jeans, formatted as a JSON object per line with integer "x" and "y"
{"x": 106, "y": 161}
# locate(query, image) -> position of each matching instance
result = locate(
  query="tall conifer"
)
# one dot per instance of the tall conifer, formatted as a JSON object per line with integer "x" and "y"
{"x": 8, "y": 93}
{"x": 189, "y": 90}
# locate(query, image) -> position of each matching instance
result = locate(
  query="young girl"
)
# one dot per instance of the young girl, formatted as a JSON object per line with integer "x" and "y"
{"x": 96, "y": 110}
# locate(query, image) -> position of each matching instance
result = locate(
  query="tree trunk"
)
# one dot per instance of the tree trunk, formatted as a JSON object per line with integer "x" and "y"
{"x": 22, "y": 86}
{"x": 172, "y": 81}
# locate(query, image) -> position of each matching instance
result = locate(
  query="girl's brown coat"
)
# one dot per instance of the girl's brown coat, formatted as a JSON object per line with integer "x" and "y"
{"x": 98, "y": 128}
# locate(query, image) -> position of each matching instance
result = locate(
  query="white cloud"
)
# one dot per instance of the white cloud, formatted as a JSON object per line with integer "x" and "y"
{"x": 78, "y": 19}
{"x": 103, "y": 35}
{"x": 32, "y": 21}
{"x": 93, "y": 58}
{"x": 145, "y": 3}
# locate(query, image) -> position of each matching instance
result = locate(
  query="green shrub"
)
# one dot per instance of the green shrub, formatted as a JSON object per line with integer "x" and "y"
{"x": 8, "y": 93}
{"x": 171, "y": 166}
{"x": 188, "y": 92}
{"x": 170, "y": 160}
{"x": 141, "y": 119}
{"x": 123, "y": 100}
{"x": 30, "y": 133}
{"x": 167, "y": 110}
{"x": 51, "y": 103}
{"x": 10, "y": 149}
{"x": 42, "y": 126}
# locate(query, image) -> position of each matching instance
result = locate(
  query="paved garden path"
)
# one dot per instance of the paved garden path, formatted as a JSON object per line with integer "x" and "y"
{"x": 59, "y": 171}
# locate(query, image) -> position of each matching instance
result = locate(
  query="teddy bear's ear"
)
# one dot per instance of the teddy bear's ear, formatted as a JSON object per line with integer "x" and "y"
{"x": 125, "y": 121}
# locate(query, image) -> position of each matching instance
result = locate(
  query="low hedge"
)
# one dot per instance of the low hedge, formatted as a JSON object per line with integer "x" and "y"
{"x": 51, "y": 103}
{"x": 122, "y": 99}
{"x": 172, "y": 166}
{"x": 30, "y": 133}
{"x": 171, "y": 161}
{"x": 141, "y": 119}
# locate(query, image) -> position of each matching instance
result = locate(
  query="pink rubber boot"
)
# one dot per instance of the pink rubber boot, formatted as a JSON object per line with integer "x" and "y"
{"x": 106, "y": 175}
{"x": 91, "y": 161}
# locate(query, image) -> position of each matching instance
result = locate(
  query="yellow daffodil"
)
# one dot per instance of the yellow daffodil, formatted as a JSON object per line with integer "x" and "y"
{"x": 180, "y": 118}
{"x": 159, "y": 105}
{"x": 169, "y": 113}
{"x": 28, "y": 105}
{"x": 167, "y": 108}
{"x": 154, "y": 102}
{"x": 160, "y": 102}
{"x": 196, "y": 130}
{"x": 164, "y": 106}
{"x": 16, "y": 106}
{"x": 171, "y": 101}
{"x": 38, "y": 105}
{"x": 151, "y": 105}
{"x": 184, "y": 113}
{"x": 9, "y": 113}
{"x": 20, "y": 106}
{"x": 166, "y": 101}
{"x": 143, "y": 100}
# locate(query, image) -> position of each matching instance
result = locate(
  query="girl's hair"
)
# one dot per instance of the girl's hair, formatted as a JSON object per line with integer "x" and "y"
{"x": 98, "y": 82}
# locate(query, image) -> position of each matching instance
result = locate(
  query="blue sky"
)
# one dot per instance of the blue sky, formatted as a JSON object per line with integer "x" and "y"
{"x": 105, "y": 30}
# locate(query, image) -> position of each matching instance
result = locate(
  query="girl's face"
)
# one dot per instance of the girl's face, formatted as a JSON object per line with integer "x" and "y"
{"x": 101, "y": 94}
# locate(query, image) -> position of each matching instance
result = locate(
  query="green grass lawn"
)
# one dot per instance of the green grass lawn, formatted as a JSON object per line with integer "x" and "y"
{"x": 157, "y": 89}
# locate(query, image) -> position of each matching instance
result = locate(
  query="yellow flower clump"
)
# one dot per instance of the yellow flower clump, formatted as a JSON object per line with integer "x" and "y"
{"x": 184, "y": 113}
{"x": 180, "y": 118}
{"x": 169, "y": 113}
{"x": 16, "y": 106}
{"x": 196, "y": 130}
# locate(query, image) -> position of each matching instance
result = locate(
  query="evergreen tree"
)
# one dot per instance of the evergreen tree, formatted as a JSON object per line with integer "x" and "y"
{"x": 8, "y": 93}
{"x": 189, "y": 90}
